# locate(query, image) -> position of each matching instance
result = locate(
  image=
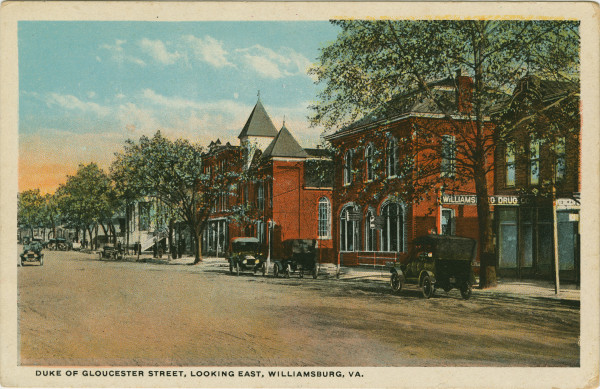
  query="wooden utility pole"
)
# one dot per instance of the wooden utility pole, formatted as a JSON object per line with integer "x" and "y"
{"x": 555, "y": 228}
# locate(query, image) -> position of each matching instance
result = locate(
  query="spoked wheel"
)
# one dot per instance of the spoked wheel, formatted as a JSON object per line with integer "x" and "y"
{"x": 264, "y": 269}
{"x": 275, "y": 271}
{"x": 41, "y": 260}
{"x": 301, "y": 274}
{"x": 231, "y": 267}
{"x": 466, "y": 290}
{"x": 395, "y": 283}
{"x": 288, "y": 271}
{"x": 237, "y": 269}
{"x": 428, "y": 288}
{"x": 315, "y": 272}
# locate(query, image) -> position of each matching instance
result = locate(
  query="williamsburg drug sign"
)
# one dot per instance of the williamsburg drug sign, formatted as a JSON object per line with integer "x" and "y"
{"x": 472, "y": 199}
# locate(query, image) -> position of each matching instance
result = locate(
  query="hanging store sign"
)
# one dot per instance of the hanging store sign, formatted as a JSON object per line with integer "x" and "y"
{"x": 567, "y": 204}
{"x": 472, "y": 199}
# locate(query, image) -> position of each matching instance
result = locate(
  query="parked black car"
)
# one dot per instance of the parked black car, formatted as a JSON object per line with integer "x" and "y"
{"x": 300, "y": 256}
{"x": 32, "y": 252}
{"x": 437, "y": 261}
{"x": 61, "y": 244}
{"x": 245, "y": 255}
{"x": 110, "y": 251}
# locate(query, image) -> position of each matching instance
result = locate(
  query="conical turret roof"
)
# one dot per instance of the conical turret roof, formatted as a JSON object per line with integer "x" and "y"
{"x": 259, "y": 123}
{"x": 284, "y": 145}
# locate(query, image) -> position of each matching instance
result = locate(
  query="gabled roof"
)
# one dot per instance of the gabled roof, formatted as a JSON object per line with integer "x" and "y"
{"x": 284, "y": 145}
{"x": 259, "y": 123}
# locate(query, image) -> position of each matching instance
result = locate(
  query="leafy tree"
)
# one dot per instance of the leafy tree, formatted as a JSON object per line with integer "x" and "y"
{"x": 30, "y": 209}
{"x": 374, "y": 62}
{"x": 87, "y": 198}
{"x": 171, "y": 171}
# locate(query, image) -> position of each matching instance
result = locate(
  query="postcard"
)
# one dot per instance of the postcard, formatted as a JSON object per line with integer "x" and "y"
{"x": 299, "y": 194}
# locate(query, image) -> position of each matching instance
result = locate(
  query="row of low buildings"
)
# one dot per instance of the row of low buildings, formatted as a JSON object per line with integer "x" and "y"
{"x": 352, "y": 202}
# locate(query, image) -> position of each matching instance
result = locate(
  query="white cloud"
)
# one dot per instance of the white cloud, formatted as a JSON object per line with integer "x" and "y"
{"x": 208, "y": 50}
{"x": 91, "y": 94}
{"x": 158, "y": 50}
{"x": 118, "y": 53}
{"x": 271, "y": 64}
{"x": 71, "y": 102}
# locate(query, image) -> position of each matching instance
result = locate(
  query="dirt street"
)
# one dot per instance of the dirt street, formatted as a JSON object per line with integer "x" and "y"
{"x": 78, "y": 310}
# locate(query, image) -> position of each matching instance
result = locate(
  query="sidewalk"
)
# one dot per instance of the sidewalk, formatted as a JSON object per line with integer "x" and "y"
{"x": 506, "y": 287}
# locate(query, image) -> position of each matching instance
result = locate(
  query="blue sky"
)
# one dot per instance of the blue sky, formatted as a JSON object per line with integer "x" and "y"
{"x": 85, "y": 87}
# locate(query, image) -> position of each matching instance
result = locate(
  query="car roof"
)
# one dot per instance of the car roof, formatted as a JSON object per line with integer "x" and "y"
{"x": 245, "y": 240}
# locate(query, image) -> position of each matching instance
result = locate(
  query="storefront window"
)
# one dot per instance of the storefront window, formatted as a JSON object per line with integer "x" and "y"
{"x": 508, "y": 238}
{"x": 348, "y": 230}
{"x": 448, "y": 222}
{"x": 370, "y": 233}
{"x": 392, "y": 234}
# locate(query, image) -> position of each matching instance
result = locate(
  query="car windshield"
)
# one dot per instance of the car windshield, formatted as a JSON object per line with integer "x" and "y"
{"x": 245, "y": 246}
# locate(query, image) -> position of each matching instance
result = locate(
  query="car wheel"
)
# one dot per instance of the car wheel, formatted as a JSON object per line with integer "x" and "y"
{"x": 301, "y": 274}
{"x": 466, "y": 290}
{"x": 41, "y": 260}
{"x": 231, "y": 267}
{"x": 264, "y": 269}
{"x": 428, "y": 288}
{"x": 275, "y": 271}
{"x": 237, "y": 269}
{"x": 288, "y": 271}
{"x": 315, "y": 272}
{"x": 395, "y": 283}
{"x": 22, "y": 262}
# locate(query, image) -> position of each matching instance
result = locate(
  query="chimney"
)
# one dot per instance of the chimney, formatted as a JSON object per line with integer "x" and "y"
{"x": 464, "y": 94}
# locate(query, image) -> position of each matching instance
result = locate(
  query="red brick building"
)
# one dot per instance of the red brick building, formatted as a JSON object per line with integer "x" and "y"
{"x": 538, "y": 154}
{"x": 407, "y": 143}
{"x": 286, "y": 200}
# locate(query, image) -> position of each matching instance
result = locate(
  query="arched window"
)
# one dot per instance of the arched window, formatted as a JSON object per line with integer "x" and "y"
{"x": 324, "y": 229}
{"x": 392, "y": 234}
{"x": 349, "y": 219}
{"x": 348, "y": 168}
{"x": 369, "y": 160}
{"x": 392, "y": 158}
{"x": 370, "y": 231}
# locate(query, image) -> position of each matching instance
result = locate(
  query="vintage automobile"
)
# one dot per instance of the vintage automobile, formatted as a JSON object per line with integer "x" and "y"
{"x": 245, "y": 255}
{"x": 32, "y": 252}
{"x": 437, "y": 261}
{"x": 59, "y": 244}
{"x": 300, "y": 256}
{"x": 109, "y": 251}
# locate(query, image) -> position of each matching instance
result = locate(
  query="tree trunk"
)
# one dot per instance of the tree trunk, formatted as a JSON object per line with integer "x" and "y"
{"x": 197, "y": 246}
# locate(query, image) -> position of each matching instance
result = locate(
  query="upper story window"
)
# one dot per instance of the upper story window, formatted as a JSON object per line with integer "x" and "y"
{"x": 246, "y": 198}
{"x": 534, "y": 162}
{"x": 260, "y": 196}
{"x": 324, "y": 222}
{"x": 561, "y": 159}
{"x": 448, "y": 164}
{"x": 392, "y": 158}
{"x": 369, "y": 160}
{"x": 510, "y": 164}
{"x": 348, "y": 168}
